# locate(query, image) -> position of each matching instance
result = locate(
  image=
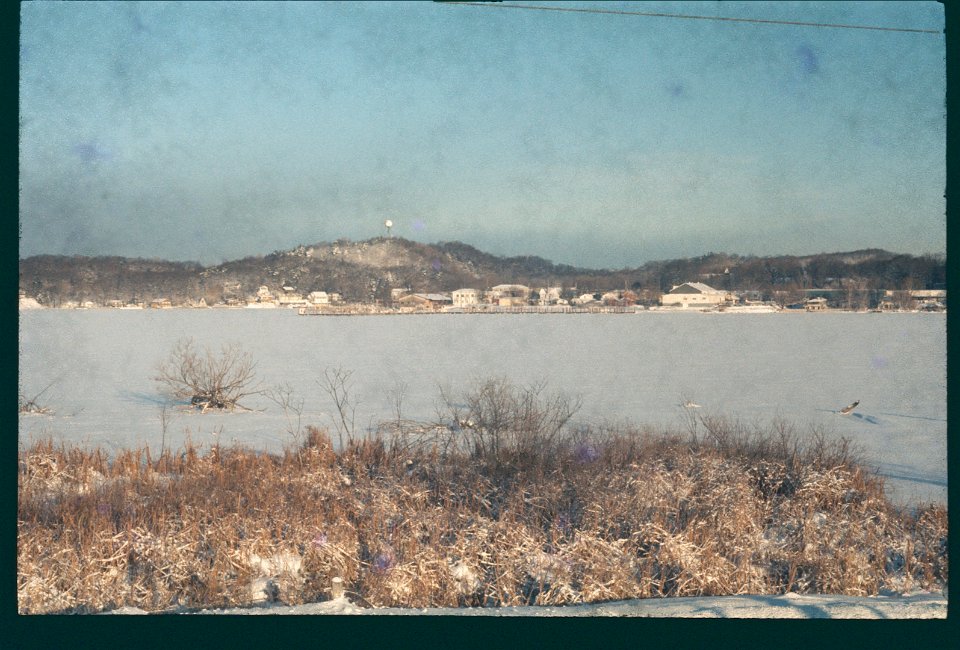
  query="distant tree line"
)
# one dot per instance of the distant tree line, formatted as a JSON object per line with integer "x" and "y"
{"x": 368, "y": 271}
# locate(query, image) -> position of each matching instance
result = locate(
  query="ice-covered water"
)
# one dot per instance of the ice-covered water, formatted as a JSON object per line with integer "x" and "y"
{"x": 755, "y": 367}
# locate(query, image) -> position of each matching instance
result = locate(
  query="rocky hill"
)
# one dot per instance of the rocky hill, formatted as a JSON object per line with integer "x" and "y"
{"x": 366, "y": 271}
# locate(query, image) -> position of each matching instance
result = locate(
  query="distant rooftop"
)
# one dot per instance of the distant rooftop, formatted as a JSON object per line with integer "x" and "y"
{"x": 699, "y": 287}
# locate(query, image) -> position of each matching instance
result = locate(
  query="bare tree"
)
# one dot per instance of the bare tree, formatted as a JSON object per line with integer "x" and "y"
{"x": 336, "y": 384}
{"x": 398, "y": 428}
{"x": 208, "y": 380}
{"x": 285, "y": 397}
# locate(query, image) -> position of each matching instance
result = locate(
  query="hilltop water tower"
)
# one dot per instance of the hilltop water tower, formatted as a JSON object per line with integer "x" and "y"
{"x": 389, "y": 225}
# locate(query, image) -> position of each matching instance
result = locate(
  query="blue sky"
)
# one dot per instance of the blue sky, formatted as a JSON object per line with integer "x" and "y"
{"x": 212, "y": 131}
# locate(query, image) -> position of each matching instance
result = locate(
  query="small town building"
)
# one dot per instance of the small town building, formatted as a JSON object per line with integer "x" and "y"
{"x": 425, "y": 300}
{"x": 263, "y": 299}
{"x": 936, "y": 298}
{"x": 815, "y": 304}
{"x": 396, "y": 294}
{"x": 292, "y": 299}
{"x": 549, "y": 295}
{"x": 618, "y": 297}
{"x": 585, "y": 299}
{"x": 895, "y": 300}
{"x": 509, "y": 295}
{"x": 695, "y": 294}
{"x": 466, "y": 297}
{"x": 161, "y": 303}
{"x": 318, "y": 298}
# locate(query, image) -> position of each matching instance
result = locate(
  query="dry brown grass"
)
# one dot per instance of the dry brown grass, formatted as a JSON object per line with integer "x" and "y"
{"x": 716, "y": 510}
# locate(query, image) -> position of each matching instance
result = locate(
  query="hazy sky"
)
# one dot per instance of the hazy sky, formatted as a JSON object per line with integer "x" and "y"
{"x": 212, "y": 131}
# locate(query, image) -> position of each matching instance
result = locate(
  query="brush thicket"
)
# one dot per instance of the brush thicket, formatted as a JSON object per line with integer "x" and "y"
{"x": 584, "y": 517}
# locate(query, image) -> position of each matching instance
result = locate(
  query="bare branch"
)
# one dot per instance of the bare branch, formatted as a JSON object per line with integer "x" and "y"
{"x": 336, "y": 384}
{"x": 32, "y": 405}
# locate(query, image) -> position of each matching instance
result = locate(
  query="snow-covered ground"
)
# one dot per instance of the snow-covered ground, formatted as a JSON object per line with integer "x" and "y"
{"x": 755, "y": 367}
{"x": 638, "y": 367}
{"x": 895, "y": 606}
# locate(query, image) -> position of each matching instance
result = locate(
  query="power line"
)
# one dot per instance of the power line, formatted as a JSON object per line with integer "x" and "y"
{"x": 652, "y": 14}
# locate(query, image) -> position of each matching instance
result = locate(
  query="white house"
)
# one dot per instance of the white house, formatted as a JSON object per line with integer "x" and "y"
{"x": 466, "y": 297}
{"x": 584, "y": 299}
{"x": 815, "y": 304}
{"x": 263, "y": 299}
{"x": 318, "y": 298}
{"x": 550, "y": 295}
{"x": 612, "y": 297}
{"x": 694, "y": 294}
{"x": 509, "y": 295}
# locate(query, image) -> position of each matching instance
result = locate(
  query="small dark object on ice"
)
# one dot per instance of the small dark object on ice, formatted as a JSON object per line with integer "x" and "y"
{"x": 203, "y": 403}
{"x": 847, "y": 410}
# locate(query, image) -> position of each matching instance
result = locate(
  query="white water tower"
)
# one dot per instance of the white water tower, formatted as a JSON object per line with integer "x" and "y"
{"x": 389, "y": 225}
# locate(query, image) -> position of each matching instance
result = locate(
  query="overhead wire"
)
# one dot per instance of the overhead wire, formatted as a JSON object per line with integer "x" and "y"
{"x": 653, "y": 14}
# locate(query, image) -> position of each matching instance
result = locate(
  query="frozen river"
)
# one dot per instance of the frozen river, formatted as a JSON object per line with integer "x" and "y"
{"x": 639, "y": 367}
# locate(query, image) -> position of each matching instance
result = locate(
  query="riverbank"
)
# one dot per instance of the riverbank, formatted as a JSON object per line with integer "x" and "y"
{"x": 373, "y": 310}
{"x": 922, "y": 605}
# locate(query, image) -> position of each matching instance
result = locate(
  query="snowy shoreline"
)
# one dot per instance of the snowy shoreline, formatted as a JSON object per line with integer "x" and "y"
{"x": 364, "y": 310}
{"x": 920, "y": 605}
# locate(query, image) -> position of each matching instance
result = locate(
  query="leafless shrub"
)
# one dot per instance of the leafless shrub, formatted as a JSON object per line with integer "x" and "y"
{"x": 31, "y": 404}
{"x": 208, "y": 380}
{"x": 405, "y": 434}
{"x": 512, "y": 427}
{"x": 778, "y": 441}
